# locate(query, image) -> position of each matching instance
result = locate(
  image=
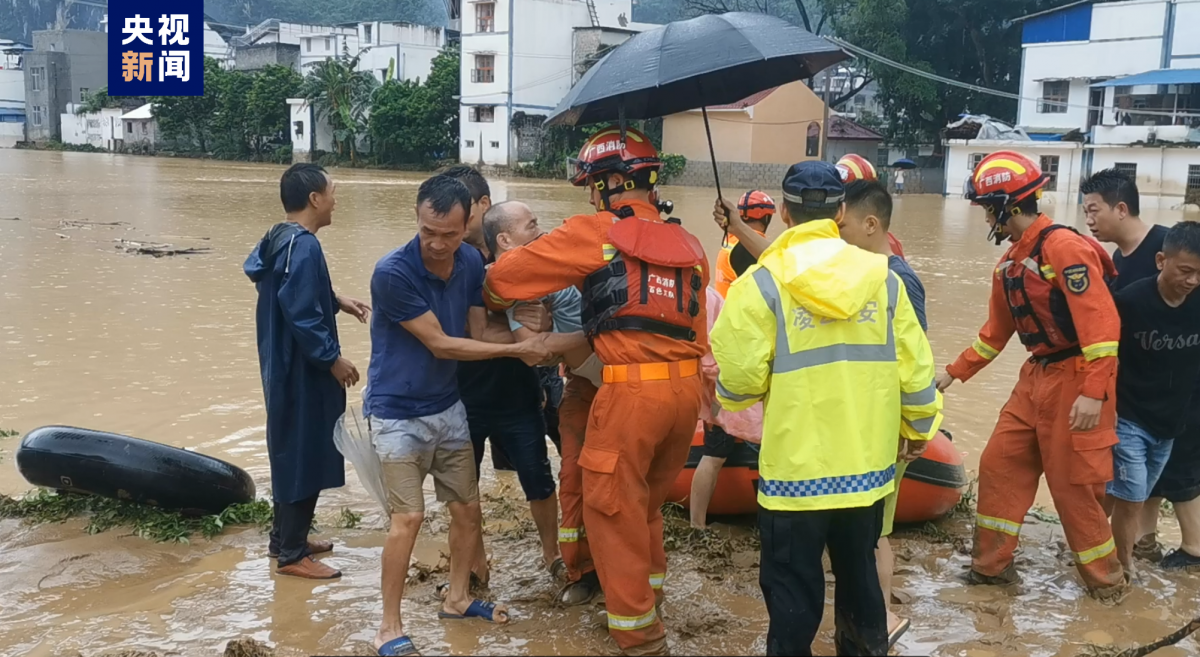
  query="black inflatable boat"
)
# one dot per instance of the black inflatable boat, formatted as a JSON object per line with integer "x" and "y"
{"x": 112, "y": 465}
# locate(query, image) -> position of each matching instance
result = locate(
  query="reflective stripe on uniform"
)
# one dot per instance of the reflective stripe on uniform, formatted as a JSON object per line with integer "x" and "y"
{"x": 568, "y": 534}
{"x": 922, "y": 425}
{"x": 1099, "y": 552}
{"x": 610, "y": 252}
{"x": 1047, "y": 272}
{"x": 1100, "y": 350}
{"x": 788, "y": 361}
{"x": 616, "y": 622}
{"x": 496, "y": 299}
{"x": 921, "y": 398}
{"x": 998, "y": 525}
{"x": 842, "y": 485}
{"x": 657, "y": 579}
{"x": 984, "y": 350}
{"x": 722, "y": 391}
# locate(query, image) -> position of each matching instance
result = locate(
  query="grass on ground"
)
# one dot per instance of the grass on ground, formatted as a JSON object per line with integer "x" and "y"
{"x": 152, "y": 523}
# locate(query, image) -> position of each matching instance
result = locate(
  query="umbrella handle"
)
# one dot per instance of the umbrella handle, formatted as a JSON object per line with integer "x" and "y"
{"x": 716, "y": 176}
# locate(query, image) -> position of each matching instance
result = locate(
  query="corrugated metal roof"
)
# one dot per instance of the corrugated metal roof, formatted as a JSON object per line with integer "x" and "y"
{"x": 842, "y": 128}
{"x": 1161, "y": 76}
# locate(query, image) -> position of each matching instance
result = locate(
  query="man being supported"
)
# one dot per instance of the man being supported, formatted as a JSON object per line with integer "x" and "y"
{"x": 1050, "y": 290}
{"x": 643, "y": 283}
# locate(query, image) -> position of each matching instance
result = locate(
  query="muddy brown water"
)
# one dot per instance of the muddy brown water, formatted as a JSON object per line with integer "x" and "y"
{"x": 164, "y": 349}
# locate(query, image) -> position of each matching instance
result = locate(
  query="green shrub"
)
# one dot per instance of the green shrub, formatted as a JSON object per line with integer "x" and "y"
{"x": 673, "y": 165}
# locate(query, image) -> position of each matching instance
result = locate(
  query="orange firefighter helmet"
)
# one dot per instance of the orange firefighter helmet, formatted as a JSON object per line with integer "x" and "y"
{"x": 856, "y": 167}
{"x": 1000, "y": 182}
{"x": 632, "y": 155}
{"x": 756, "y": 206}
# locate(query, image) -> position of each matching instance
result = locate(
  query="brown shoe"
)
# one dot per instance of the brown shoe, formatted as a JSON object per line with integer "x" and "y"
{"x": 314, "y": 547}
{"x": 309, "y": 568}
{"x": 1007, "y": 577}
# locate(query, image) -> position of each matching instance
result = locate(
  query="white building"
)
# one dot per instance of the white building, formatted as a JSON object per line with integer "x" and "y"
{"x": 405, "y": 48}
{"x": 519, "y": 59}
{"x": 103, "y": 129}
{"x": 1107, "y": 84}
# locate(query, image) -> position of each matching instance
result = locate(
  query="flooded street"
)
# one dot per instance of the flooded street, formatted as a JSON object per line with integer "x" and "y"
{"x": 164, "y": 349}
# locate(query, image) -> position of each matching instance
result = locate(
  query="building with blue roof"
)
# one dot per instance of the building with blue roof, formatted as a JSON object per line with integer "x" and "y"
{"x": 1107, "y": 84}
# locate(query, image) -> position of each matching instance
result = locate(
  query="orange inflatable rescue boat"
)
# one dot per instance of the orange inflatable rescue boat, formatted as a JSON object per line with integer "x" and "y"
{"x": 931, "y": 486}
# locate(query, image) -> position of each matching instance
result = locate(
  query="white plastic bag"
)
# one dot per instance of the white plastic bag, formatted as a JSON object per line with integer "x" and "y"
{"x": 353, "y": 440}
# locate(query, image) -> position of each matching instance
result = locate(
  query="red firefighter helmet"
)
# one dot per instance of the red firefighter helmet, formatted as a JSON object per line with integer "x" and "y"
{"x": 856, "y": 167}
{"x": 607, "y": 152}
{"x": 1001, "y": 181}
{"x": 756, "y": 206}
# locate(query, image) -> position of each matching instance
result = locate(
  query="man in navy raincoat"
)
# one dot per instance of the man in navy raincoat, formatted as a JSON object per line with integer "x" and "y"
{"x": 303, "y": 372}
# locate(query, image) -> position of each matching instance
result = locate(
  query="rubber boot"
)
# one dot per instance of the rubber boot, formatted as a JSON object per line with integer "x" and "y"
{"x": 655, "y": 647}
{"x": 1007, "y": 577}
{"x": 1113, "y": 595}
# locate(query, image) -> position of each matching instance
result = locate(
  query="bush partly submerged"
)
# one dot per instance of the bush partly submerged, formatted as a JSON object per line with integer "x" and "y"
{"x": 152, "y": 523}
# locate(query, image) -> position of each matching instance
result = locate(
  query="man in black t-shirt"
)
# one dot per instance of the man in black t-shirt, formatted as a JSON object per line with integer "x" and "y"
{"x": 504, "y": 402}
{"x": 1111, "y": 205}
{"x": 1160, "y": 360}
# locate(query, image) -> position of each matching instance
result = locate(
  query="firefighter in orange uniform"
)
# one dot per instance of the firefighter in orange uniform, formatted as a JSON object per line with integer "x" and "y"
{"x": 756, "y": 209}
{"x": 643, "y": 282}
{"x": 1050, "y": 290}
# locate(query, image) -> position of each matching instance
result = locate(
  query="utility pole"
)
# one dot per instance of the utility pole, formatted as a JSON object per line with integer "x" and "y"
{"x": 825, "y": 119}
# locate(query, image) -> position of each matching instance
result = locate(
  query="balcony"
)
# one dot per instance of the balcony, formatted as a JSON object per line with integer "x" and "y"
{"x": 1124, "y": 135}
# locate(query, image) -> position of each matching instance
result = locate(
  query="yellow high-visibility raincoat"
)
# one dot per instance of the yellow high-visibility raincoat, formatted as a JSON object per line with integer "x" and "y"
{"x": 825, "y": 334}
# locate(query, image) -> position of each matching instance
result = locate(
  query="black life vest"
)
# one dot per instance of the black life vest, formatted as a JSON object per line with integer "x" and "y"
{"x": 652, "y": 282}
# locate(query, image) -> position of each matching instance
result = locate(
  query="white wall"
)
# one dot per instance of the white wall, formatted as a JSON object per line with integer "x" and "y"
{"x": 99, "y": 129}
{"x": 1070, "y": 154}
{"x": 215, "y": 45}
{"x": 1186, "y": 40}
{"x": 1079, "y": 62}
{"x": 11, "y": 133}
{"x": 1128, "y": 20}
{"x": 487, "y": 140}
{"x": 12, "y": 88}
{"x": 1161, "y": 172}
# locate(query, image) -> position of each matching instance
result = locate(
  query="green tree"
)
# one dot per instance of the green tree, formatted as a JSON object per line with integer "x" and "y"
{"x": 266, "y": 104}
{"x": 190, "y": 119}
{"x": 232, "y": 120}
{"x": 341, "y": 95}
{"x": 99, "y": 99}
{"x": 412, "y": 122}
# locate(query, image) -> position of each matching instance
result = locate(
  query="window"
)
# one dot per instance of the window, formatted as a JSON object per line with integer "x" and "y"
{"x": 1055, "y": 94}
{"x": 485, "y": 66}
{"x": 1050, "y": 168}
{"x": 38, "y": 113}
{"x": 383, "y": 74}
{"x": 129, "y": 127}
{"x": 367, "y": 33}
{"x": 495, "y": 144}
{"x": 1127, "y": 169}
{"x": 1192, "y": 192}
{"x": 83, "y": 94}
{"x": 308, "y": 45}
{"x": 882, "y": 157}
{"x": 976, "y": 158}
{"x": 485, "y": 17}
{"x": 812, "y": 147}
{"x": 327, "y": 44}
{"x": 470, "y": 143}
{"x": 483, "y": 114}
{"x": 860, "y": 101}
{"x": 37, "y": 77}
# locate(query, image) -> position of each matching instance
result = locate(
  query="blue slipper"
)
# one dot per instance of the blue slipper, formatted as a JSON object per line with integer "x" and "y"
{"x": 401, "y": 647}
{"x": 477, "y": 609}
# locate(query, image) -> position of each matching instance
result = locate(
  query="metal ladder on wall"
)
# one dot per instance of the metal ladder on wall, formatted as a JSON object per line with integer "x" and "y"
{"x": 591, "y": 5}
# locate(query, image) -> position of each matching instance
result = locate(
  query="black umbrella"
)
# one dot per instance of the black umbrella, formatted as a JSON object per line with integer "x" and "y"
{"x": 708, "y": 60}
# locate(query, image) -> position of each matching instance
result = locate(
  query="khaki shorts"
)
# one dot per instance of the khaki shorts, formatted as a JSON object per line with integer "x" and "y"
{"x": 889, "y": 502}
{"x": 438, "y": 445}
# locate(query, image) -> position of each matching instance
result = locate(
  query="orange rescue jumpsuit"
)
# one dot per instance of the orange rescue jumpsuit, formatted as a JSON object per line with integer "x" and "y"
{"x": 1033, "y": 433}
{"x": 724, "y": 275}
{"x": 572, "y": 424}
{"x": 640, "y": 426}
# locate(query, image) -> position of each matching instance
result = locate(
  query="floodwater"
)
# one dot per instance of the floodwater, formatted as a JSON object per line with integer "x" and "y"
{"x": 164, "y": 349}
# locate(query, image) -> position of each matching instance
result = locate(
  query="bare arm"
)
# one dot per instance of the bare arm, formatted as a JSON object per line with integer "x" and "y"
{"x": 495, "y": 327}
{"x": 429, "y": 331}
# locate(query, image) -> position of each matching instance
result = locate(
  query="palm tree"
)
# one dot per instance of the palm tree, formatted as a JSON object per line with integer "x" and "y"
{"x": 341, "y": 94}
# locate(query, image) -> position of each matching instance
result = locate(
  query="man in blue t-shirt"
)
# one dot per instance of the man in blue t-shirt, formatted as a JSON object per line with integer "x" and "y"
{"x": 1111, "y": 205}
{"x": 428, "y": 314}
{"x": 865, "y": 224}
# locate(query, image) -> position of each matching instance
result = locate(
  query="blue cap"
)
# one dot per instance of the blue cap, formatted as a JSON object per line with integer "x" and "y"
{"x": 814, "y": 184}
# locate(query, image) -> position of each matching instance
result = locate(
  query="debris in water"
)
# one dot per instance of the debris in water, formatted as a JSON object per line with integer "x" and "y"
{"x": 72, "y": 224}
{"x": 10, "y": 218}
{"x": 348, "y": 519}
{"x": 248, "y": 648}
{"x": 158, "y": 250}
{"x": 61, "y": 236}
